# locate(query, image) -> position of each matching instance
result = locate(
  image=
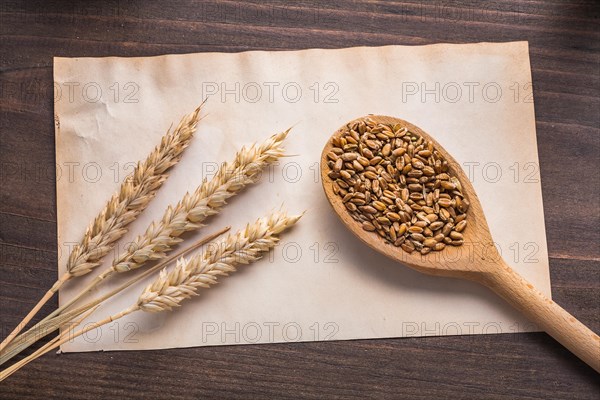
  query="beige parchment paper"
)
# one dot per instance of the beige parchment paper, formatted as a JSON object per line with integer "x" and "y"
{"x": 321, "y": 283}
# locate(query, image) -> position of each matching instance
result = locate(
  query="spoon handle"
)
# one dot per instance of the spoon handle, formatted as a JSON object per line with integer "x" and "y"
{"x": 545, "y": 313}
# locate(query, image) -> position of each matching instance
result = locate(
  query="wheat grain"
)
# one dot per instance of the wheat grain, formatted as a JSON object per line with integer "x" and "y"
{"x": 244, "y": 247}
{"x": 396, "y": 184}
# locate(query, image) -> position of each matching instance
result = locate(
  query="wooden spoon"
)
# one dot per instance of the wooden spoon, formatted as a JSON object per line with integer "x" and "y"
{"x": 479, "y": 262}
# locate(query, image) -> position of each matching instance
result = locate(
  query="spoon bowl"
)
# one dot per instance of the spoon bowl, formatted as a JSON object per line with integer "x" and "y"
{"x": 453, "y": 260}
{"x": 476, "y": 260}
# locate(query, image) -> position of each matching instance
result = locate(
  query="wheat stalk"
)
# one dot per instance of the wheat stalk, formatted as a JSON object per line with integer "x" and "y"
{"x": 52, "y": 323}
{"x": 48, "y": 346}
{"x": 135, "y": 193}
{"x": 170, "y": 289}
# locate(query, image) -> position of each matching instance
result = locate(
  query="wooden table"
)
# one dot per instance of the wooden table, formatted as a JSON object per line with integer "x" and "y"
{"x": 564, "y": 46}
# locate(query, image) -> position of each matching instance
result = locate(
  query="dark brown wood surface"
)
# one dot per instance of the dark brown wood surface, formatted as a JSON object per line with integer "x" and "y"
{"x": 564, "y": 48}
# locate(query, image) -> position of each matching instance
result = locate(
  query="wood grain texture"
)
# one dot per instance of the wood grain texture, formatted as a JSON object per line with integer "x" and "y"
{"x": 564, "y": 48}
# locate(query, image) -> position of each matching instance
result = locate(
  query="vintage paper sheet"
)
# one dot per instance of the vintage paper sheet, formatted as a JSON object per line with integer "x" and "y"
{"x": 321, "y": 283}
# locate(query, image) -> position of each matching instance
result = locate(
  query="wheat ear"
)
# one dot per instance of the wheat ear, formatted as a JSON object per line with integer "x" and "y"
{"x": 135, "y": 193}
{"x": 193, "y": 209}
{"x": 221, "y": 258}
{"x": 170, "y": 289}
{"x": 207, "y": 200}
{"x": 188, "y": 214}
